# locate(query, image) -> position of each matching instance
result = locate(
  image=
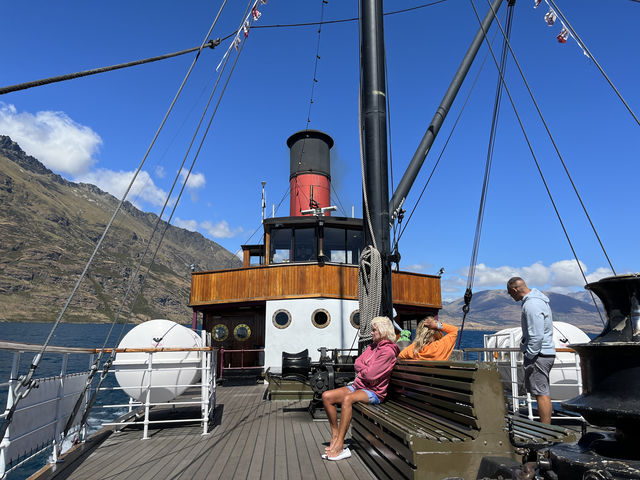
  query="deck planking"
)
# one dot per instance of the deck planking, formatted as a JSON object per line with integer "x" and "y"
{"x": 250, "y": 438}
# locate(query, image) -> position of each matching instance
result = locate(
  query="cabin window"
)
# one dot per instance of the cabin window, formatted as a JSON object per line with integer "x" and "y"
{"x": 220, "y": 333}
{"x": 320, "y": 318}
{"x": 355, "y": 319}
{"x": 342, "y": 245}
{"x": 280, "y": 241}
{"x": 304, "y": 245}
{"x": 281, "y": 319}
{"x": 242, "y": 332}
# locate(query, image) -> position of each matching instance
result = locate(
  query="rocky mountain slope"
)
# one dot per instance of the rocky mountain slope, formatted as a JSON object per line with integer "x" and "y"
{"x": 48, "y": 229}
{"x": 495, "y": 310}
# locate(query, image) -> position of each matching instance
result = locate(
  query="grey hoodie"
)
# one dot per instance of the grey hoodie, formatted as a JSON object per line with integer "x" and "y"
{"x": 537, "y": 325}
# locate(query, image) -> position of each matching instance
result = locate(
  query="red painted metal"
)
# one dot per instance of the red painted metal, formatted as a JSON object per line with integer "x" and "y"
{"x": 300, "y": 187}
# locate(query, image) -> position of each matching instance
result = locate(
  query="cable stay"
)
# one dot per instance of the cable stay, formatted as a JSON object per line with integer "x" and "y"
{"x": 487, "y": 174}
{"x": 575, "y": 189}
{"x": 538, "y": 167}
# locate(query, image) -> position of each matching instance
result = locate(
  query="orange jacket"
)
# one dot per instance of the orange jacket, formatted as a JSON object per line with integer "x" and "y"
{"x": 438, "y": 350}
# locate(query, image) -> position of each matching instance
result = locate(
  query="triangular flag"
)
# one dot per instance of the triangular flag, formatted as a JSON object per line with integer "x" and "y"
{"x": 563, "y": 35}
{"x": 245, "y": 28}
{"x": 236, "y": 43}
{"x": 550, "y": 17}
{"x": 536, "y": 3}
{"x": 256, "y": 14}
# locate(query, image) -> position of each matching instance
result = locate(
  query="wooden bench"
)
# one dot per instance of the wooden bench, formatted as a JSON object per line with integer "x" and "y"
{"x": 439, "y": 420}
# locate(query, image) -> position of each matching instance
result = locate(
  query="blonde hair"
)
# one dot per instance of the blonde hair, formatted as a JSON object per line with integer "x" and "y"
{"x": 385, "y": 327}
{"x": 425, "y": 335}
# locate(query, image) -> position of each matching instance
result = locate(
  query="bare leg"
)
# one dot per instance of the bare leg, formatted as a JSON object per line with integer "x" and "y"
{"x": 544, "y": 408}
{"x": 329, "y": 400}
{"x": 345, "y": 419}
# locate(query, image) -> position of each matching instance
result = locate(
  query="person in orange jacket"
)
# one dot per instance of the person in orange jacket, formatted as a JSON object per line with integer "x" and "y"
{"x": 434, "y": 341}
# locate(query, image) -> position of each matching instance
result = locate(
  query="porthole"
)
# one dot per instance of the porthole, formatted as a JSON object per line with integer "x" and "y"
{"x": 220, "y": 333}
{"x": 242, "y": 332}
{"x": 355, "y": 319}
{"x": 320, "y": 318}
{"x": 281, "y": 319}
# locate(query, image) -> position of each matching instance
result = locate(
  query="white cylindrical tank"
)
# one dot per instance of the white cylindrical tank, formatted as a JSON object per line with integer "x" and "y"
{"x": 172, "y": 372}
{"x": 565, "y": 373}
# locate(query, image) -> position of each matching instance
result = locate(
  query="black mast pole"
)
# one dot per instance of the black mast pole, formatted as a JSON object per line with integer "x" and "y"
{"x": 413, "y": 169}
{"x": 374, "y": 141}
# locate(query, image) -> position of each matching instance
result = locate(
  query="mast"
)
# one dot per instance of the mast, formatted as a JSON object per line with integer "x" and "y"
{"x": 374, "y": 141}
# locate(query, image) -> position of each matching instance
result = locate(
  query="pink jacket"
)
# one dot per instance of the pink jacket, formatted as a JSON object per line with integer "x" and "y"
{"x": 374, "y": 366}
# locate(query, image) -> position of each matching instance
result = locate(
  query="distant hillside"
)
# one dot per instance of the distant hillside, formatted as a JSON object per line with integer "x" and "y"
{"x": 48, "y": 229}
{"x": 495, "y": 310}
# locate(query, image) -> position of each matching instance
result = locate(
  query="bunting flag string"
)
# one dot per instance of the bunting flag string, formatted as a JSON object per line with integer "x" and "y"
{"x": 550, "y": 18}
{"x": 253, "y": 15}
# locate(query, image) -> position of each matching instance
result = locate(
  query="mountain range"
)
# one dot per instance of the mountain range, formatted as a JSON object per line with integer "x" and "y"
{"x": 495, "y": 310}
{"x": 48, "y": 229}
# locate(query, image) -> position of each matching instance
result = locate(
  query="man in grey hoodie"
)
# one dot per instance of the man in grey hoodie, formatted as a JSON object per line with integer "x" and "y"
{"x": 537, "y": 342}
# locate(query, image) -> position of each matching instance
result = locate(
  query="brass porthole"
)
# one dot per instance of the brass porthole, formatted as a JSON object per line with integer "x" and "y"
{"x": 355, "y": 319}
{"x": 220, "y": 333}
{"x": 242, "y": 332}
{"x": 281, "y": 318}
{"x": 320, "y": 318}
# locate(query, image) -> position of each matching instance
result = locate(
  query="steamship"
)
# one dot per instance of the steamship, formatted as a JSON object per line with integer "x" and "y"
{"x": 298, "y": 290}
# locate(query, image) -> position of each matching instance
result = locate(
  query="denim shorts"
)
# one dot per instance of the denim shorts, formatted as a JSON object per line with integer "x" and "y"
{"x": 373, "y": 398}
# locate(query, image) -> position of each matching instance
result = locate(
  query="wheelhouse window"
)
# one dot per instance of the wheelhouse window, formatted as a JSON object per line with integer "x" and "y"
{"x": 293, "y": 245}
{"x": 342, "y": 245}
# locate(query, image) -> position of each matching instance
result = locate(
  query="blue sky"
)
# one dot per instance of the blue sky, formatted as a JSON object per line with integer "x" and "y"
{"x": 97, "y": 129}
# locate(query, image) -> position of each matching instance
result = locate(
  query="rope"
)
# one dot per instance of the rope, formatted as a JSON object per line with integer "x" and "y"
{"x": 369, "y": 289}
{"x": 487, "y": 175}
{"x": 70, "y": 76}
{"x": 315, "y": 67}
{"x": 535, "y": 159}
{"x": 575, "y": 189}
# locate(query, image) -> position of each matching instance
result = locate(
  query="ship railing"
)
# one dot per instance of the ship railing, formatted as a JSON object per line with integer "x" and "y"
{"x": 207, "y": 388}
{"x": 510, "y": 365}
{"x": 39, "y": 419}
{"x": 224, "y": 351}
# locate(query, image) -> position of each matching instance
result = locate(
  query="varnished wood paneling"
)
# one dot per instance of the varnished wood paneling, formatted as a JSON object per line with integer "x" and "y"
{"x": 304, "y": 281}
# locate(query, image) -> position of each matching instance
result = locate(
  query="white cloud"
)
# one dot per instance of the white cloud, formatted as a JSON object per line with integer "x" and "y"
{"x": 214, "y": 230}
{"x": 53, "y": 138}
{"x": 196, "y": 180}
{"x": 159, "y": 171}
{"x": 220, "y": 229}
{"x": 116, "y": 184}
{"x": 190, "y": 225}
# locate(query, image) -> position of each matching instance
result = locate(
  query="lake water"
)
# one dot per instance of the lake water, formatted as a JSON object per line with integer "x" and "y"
{"x": 91, "y": 336}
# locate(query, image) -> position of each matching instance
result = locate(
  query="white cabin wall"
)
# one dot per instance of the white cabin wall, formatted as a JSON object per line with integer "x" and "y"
{"x": 302, "y": 333}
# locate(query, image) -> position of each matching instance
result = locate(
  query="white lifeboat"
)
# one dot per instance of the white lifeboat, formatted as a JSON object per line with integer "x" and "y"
{"x": 171, "y": 372}
{"x": 565, "y": 374}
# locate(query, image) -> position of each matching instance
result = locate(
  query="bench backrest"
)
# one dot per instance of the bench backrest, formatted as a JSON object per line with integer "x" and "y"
{"x": 464, "y": 396}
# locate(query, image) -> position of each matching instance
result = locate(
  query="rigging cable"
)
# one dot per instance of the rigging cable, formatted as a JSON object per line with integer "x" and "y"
{"x": 446, "y": 143}
{"x": 566, "y": 169}
{"x": 535, "y": 159}
{"x": 26, "y": 382}
{"x": 487, "y": 175}
{"x": 588, "y": 52}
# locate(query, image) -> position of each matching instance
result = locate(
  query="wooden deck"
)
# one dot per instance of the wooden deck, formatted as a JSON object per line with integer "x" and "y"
{"x": 251, "y": 438}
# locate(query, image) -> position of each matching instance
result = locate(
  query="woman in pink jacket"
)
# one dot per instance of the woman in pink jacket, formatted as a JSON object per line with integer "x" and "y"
{"x": 373, "y": 370}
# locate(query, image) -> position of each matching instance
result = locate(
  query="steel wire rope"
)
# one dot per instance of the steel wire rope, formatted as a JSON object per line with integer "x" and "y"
{"x": 564, "y": 165}
{"x": 535, "y": 159}
{"x": 107, "y": 364}
{"x": 468, "y": 294}
{"x": 566, "y": 169}
{"x": 184, "y": 183}
{"x": 446, "y": 143}
{"x": 586, "y": 49}
{"x": 344, "y": 211}
{"x": 26, "y": 382}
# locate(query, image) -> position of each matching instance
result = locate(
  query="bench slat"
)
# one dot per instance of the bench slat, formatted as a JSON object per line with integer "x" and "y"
{"x": 375, "y": 461}
{"x": 454, "y": 387}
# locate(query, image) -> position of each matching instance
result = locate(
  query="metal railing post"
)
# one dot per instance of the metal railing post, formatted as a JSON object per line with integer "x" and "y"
{"x": 204, "y": 388}
{"x": 221, "y": 361}
{"x": 5, "y": 442}
{"x": 145, "y": 435}
{"x": 57, "y": 447}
